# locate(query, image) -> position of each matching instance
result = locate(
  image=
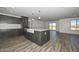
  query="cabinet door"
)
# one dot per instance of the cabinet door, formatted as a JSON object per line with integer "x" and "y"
{"x": 48, "y": 35}
{"x": 37, "y": 37}
{"x": 44, "y": 37}
{"x": 9, "y": 19}
{"x": 24, "y": 22}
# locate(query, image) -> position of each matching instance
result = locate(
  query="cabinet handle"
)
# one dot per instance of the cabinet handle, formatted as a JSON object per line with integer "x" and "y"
{"x": 45, "y": 33}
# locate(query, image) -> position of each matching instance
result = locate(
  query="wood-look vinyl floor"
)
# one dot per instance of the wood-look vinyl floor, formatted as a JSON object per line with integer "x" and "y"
{"x": 21, "y": 44}
{"x": 63, "y": 45}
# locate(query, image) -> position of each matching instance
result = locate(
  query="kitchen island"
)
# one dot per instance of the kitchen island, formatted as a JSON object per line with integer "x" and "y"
{"x": 38, "y": 36}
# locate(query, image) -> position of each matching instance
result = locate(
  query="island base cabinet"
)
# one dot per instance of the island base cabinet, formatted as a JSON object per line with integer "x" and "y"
{"x": 41, "y": 37}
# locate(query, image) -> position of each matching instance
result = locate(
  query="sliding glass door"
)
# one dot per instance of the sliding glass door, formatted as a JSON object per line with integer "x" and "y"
{"x": 52, "y": 26}
{"x": 74, "y": 24}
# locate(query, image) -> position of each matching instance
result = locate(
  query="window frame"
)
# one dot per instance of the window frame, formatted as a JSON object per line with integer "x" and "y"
{"x": 52, "y": 26}
{"x": 76, "y": 24}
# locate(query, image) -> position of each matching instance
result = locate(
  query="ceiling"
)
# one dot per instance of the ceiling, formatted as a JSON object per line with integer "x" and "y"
{"x": 45, "y": 13}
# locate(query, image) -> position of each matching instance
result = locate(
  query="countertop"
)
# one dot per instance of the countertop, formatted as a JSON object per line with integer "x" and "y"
{"x": 32, "y": 30}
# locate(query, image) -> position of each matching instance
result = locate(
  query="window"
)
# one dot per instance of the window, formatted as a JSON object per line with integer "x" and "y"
{"x": 74, "y": 24}
{"x": 77, "y": 24}
{"x": 52, "y": 26}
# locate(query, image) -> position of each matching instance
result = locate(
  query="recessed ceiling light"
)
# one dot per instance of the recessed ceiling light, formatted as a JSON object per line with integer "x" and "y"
{"x": 39, "y": 17}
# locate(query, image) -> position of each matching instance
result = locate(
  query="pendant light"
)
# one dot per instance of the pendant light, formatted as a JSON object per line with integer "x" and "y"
{"x": 39, "y": 15}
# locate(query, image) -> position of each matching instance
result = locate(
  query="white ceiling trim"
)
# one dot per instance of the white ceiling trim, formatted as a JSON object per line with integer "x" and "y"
{"x": 10, "y": 15}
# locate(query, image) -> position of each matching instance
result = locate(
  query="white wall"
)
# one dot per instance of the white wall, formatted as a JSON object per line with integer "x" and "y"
{"x": 64, "y": 26}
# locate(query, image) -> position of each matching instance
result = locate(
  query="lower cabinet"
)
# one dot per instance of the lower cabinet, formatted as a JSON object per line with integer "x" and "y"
{"x": 6, "y": 34}
{"x": 39, "y": 37}
{"x": 29, "y": 36}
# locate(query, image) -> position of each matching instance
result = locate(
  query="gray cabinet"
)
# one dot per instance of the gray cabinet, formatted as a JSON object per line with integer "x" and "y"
{"x": 24, "y": 22}
{"x": 41, "y": 37}
{"x": 28, "y": 35}
{"x": 6, "y": 33}
{"x": 9, "y": 19}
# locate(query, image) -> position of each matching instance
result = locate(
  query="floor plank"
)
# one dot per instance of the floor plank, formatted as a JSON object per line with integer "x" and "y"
{"x": 21, "y": 44}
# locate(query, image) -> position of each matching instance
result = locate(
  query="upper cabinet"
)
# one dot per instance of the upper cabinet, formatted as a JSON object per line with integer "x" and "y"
{"x": 24, "y": 22}
{"x": 9, "y": 19}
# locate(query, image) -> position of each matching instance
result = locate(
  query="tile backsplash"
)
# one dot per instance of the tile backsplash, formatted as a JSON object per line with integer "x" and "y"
{"x": 10, "y": 26}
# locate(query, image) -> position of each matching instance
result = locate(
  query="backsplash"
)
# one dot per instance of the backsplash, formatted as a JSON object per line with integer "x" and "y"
{"x": 36, "y": 24}
{"x": 10, "y": 26}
